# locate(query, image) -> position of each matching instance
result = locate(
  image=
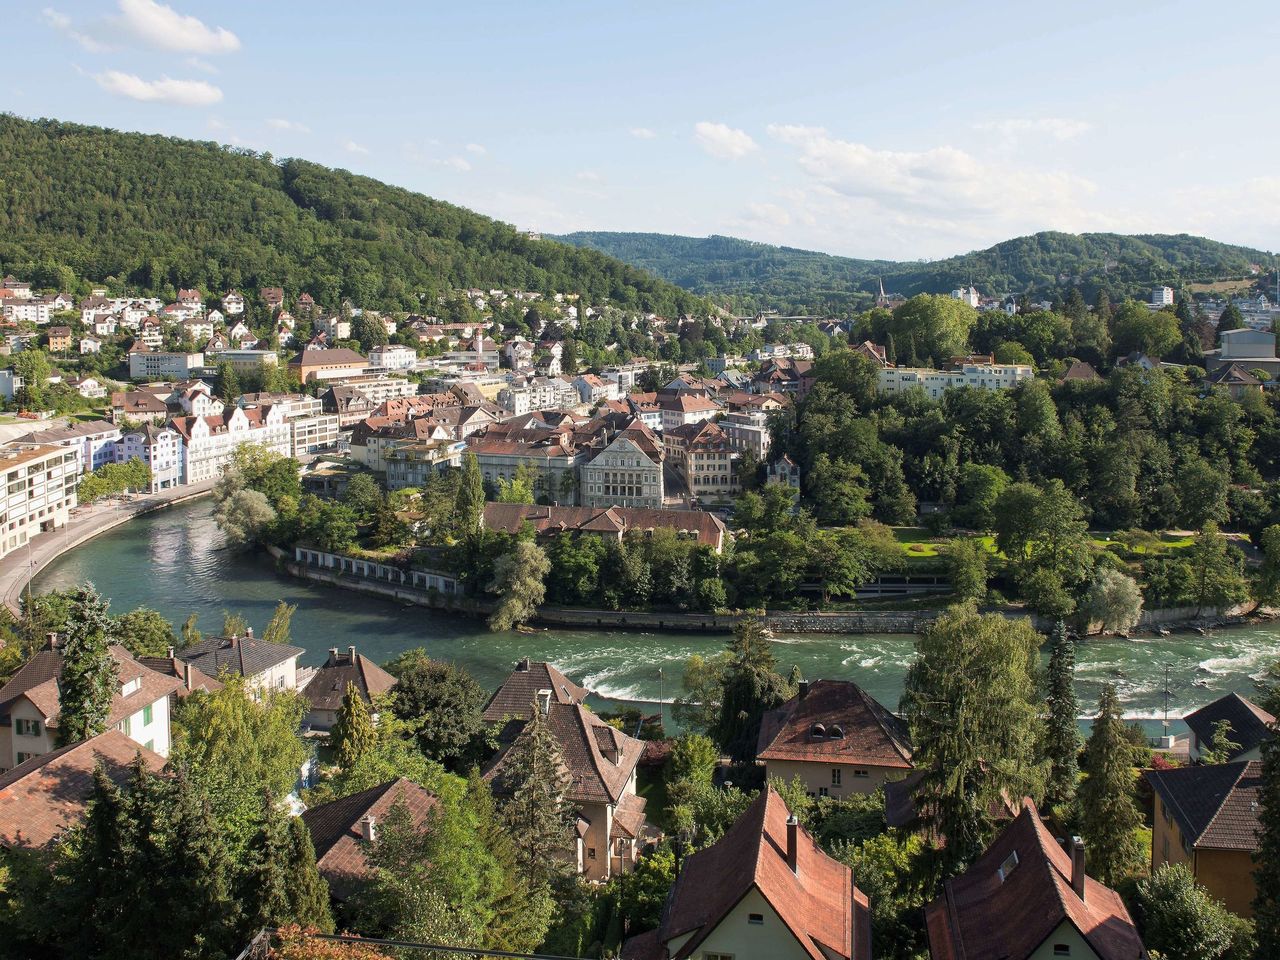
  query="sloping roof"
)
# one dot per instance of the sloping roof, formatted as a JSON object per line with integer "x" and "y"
{"x": 1250, "y": 724}
{"x": 42, "y": 797}
{"x": 980, "y": 916}
{"x": 598, "y": 758}
{"x": 245, "y": 656}
{"x": 78, "y": 431}
{"x": 37, "y": 680}
{"x": 819, "y": 903}
{"x": 871, "y": 734}
{"x": 510, "y": 517}
{"x": 1232, "y": 375}
{"x": 516, "y": 695}
{"x": 327, "y": 358}
{"x": 336, "y": 829}
{"x": 1081, "y": 370}
{"x": 328, "y": 684}
{"x": 1216, "y": 805}
{"x": 173, "y": 667}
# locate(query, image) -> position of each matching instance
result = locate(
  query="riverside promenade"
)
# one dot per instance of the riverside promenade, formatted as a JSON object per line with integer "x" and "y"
{"x": 17, "y": 569}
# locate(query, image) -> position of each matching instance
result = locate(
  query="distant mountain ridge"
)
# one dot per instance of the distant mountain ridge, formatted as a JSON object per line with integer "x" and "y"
{"x": 758, "y": 275}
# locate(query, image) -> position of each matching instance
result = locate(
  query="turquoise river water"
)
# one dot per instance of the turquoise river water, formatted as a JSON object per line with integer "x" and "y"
{"x": 174, "y": 562}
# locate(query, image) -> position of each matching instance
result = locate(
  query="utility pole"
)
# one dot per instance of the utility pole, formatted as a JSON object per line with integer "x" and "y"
{"x": 1166, "y": 700}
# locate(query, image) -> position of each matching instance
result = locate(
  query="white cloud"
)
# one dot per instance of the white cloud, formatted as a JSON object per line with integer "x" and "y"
{"x": 723, "y": 141}
{"x": 62, "y": 23}
{"x": 1059, "y": 128}
{"x": 59, "y": 21}
{"x": 767, "y": 213}
{"x": 160, "y": 26}
{"x": 460, "y": 164}
{"x": 203, "y": 66}
{"x": 187, "y": 93}
{"x": 352, "y": 147}
{"x": 643, "y": 133}
{"x": 477, "y": 149}
{"x": 293, "y": 126}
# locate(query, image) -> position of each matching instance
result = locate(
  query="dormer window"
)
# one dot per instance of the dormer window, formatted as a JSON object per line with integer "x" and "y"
{"x": 1006, "y": 868}
{"x": 837, "y": 732}
{"x": 130, "y": 686}
{"x": 818, "y": 732}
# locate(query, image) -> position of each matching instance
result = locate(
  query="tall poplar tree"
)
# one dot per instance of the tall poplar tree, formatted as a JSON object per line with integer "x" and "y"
{"x": 353, "y": 733}
{"x": 537, "y": 810}
{"x": 1062, "y": 734}
{"x": 89, "y": 680}
{"x": 1109, "y": 814}
{"x": 469, "y": 501}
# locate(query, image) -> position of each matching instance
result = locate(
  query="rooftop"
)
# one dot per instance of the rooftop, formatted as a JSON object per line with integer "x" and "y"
{"x": 1216, "y": 806}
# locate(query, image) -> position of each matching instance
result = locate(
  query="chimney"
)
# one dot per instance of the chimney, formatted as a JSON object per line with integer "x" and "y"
{"x": 793, "y": 842}
{"x": 522, "y": 665}
{"x": 333, "y": 656}
{"x": 803, "y": 688}
{"x": 368, "y": 828}
{"x": 171, "y": 653}
{"x": 248, "y": 632}
{"x": 1077, "y": 866}
{"x": 351, "y": 652}
{"x": 186, "y": 676}
{"x": 544, "y": 701}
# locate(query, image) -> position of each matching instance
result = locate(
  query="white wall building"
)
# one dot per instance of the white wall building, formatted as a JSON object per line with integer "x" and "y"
{"x": 40, "y": 489}
{"x": 94, "y": 443}
{"x": 162, "y": 365}
{"x": 622, "y": 475}
{"x": 1162, "y": 297}
{"x": 984, "y": 376}
{"x": 160, "y": 448}
{"x": 395, "y": 356}
{"x": 210, "y": 442}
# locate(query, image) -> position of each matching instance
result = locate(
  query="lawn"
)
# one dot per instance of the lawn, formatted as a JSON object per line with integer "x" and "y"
{"x": 652, "y": 785}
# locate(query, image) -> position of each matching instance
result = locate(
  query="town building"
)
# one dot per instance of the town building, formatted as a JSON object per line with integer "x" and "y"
{"x": 90, "y": 388}
{"x": 93, "y": 442}
{"x": 1161, "y": 297}
{"x": 30, "y": 705}
{"x": 209, "y": 443}
{"x": 968, "y": 295}
{"x": 683, "y": 408}
{"x": 703, "y": 455}
{"x": 1025, "y": 898}
{"x": 1250, "y": 727}
{"x": 410, "y": 463}
{"x": 706, "y": 528}
{"x": 59, "y": 339}
{"x": 1206, "y": 817}
{"x": 836, "y": 738}
{"x": 747, "y": 431}
{"x": 41, "y": 484}
{"x": 982, "y": 376}
{"x": 10, "y": 383}
{"x": 624, "y": 474}
{"x": 1250, "y": 349}
{"x": 1234, "y": 379}
{"x": 90, "y": 345}
{"x": 393, "y": 357}
{"x": 379, "y": 388}
{"x": 328, "y": 685}
{"x": 764, "y": 889}
{"x": 233, "y": 303}
{"x": 160, "y": 448}
{"x": 263, "y": 664}
{"x": 138, "y": 406}
{"x": 45, "y": 796}
{"x": 327, "y": 364}
{"x": 519, "y": 692}
{"x": 164, "y": 365}
{"x": 553, "y": 461}
{"x": 249, "y": 361}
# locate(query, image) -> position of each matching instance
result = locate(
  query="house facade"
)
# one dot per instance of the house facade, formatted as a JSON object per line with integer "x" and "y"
{"x": 40, "y": 483}
{"x": 624, "y": 475}
{"x": 208, "y": 443}
{"x": 160, "y": 448}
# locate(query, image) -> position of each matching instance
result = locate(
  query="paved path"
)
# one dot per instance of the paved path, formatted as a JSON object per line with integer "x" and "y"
{"x": 17, "y": 569}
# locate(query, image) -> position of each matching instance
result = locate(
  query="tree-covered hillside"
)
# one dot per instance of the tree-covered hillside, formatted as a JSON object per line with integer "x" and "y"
{"x": 755, "y": 275}
{"x": 84, "y": 203}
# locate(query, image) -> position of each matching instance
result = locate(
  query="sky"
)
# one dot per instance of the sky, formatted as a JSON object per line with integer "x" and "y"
{"x": 909, "y": 130}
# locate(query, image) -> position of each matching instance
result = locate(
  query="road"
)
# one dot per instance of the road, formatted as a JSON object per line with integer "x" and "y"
{"x": 17, "y": 569}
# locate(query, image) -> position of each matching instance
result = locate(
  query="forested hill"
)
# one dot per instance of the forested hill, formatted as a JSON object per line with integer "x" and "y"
{"x": 82, "y": 203}
{"x": 756, "y": 275}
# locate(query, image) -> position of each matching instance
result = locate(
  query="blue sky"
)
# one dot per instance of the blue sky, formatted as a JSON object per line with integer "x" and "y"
{"x": 907, "y": 130}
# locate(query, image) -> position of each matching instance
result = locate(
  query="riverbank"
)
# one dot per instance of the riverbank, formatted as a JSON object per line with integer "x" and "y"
{"x": 22, "y": 565}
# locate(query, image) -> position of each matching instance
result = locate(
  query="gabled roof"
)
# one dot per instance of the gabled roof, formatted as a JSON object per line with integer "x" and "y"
{"x": 818, "y": 903}
{"x": 516, "y": 695}
{"x": 328, "y": 685}
{"x": 871, "y": 735}
{"x": 1081, "y": 370}
{"x": 982, "y": 915}
{"x": 42, "y": 797}
{"x": 336, "y": 829}
{"x": 1250, "y": 724}
{"x": 245, "y": 656}
{"x": 1216, "y": 806}
{"x": 1232, "y": 375}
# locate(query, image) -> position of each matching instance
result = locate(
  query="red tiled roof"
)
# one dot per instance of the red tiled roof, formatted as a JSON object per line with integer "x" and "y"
{"x": 41, "y": 798}
{"x": 980, "y": 916}
{"x": 516, "y": 695}
{"x": 510, "y": 517}
{"x": 871, "y": 734}
{"x": 328, "y": 685}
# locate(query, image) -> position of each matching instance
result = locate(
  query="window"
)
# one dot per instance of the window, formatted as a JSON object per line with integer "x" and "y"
{"x": 756, "y": 918}
{"x": 126, "y": 726}
{"x": 591, "y": 853}
{"x": 861, "y": 774}
{"x": 824, "y": 792}
{"x": 147, "y": 713}
{"x": 1006, "y": 868}
{"x": 1061, "y": 950}
{"x": 835, "y": 776}
{"x": 27, "y": 728}
{"x": 24, "y": 757}
{"x": 717, "y": 956}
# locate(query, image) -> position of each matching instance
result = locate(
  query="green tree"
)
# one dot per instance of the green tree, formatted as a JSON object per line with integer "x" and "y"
{"x": 1109, "y": 815}
{"x": 277, "y": 630}
{"x": 970, "y": 701}
{"x": 1266, "y": 859}
{"x": 444, "y": 703}
{"x": 979, "y": 488}
{"x": 1062, "y": 732}
{"x": 1220, "y": 748}
{"x": 88, "y": 681}
{"x": 191, "y": 631}
{"x": 1216, "y": 576}
{"x": 838, "y": 491}
{"x": 518, "y": 578}
{"x": 693, "y": 756}
{"x": 1179, "y": 918}
{"x": 1266, "y": 588}
{"x": 363, "y": 496}
{"x": 469, "y": 507}
{"x": 145, "y": 633}
{"x": 229, "y": 388}
{"x": 1112, "y": 600}
{"x": 967, "y": 569}
{"x": 281, "y": 884}
{"x": 242, "y": 515}
{"x": 937, "y": 325}
{"x": 1138, "y": 329}
{"x": 750, "y": 686}
{"x": 537, "y": 808}
{"x": 353, "y": 734}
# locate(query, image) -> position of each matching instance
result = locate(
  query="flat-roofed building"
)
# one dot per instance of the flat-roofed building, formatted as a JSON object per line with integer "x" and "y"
{"x": 40, "y": 489}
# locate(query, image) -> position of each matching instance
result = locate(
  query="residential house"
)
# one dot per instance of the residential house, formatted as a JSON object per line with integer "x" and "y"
{"x": 263, "y": 664}
{"x": 764, "y": 889}
{"x": 197, "y": 329}
{"x": 349, "y": 405}
{"x": 232, "y": 303}
{"x": 626, "y": 473}
{"x": 836, "y": 738}
{"x": 159, "y": 447}
{"x": 191, "y": 299}
{"x": 783, "y": 375}
{"x": 747, "y": 431}
{"x": 412, "y": 464}
{"x": 334, "y": 328}
{"x": 90, "y": 388}
{"x": 195, "y": 399}
{"x": 706, "y": 528}
{"x": 48, "y": 794}
{"x": 554, "y": 462}
{"x": 327, "y": 364}
{"x": 59, "y": 339}
{"x": 982, "y": 376}
{"x": 11, "y": 286}
{"x": 1025, "y": 898}
{"x": 873, "y": 352}
{"x": 784, "y": 471}
{"x": 601, "y": 763}
{"x": 151, "y": 332}
{"x": 93, "y": 442}
{"x": 271, "y": 297}
{"x": 1080, "y": 371}
{"x": 10, "y": 383}
{"x": 518, "y": 693}
{"x": 1250, "y": 727}
{"x": 680, "y": 409}
{"x": 1235, "y": 379}
{"x": 393, "y": 357}
{"x": 41, "y": 481}
{"x": 704, "y": 456}
{"x": 163, "y": 365}
{"x": 377, "y": 387}
{"x": 138, "y": 406}
{"x": 328, "y": 685}
{"x": 592, "y": 389}
{"x": 90, "y": 345}
{"x": 30, "y": 705}
{"x": 342, "y": 830}
{"x": 208, "y": 443}
{"x": 1206, "y": 817}
{"x": 249, "y": 361}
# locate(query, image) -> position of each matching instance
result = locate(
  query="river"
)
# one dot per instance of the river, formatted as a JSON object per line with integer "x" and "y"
{"x": 173, "y": 561}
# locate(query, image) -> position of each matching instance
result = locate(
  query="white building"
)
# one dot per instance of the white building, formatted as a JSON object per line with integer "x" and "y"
{"x": 393, "y": 356}
{"x": 967, "y": 295}
{"x": 94, "y": 442}
{"x": 313, "y": 434}
{"x": 27, "y": 310}
{"x": 1162, "y": 297}
{"x": 335, "y": 328}
{"x": 984, "y": 376}
{"x": 232, "y": 303}
{"x": 160, "y": 448}
{"x": 622, "y": 475}
{"x": 748, "y": 430}
{"x": 41, "y": 489}
{"x": 10, "y": 383}
{"x": 90, "y": 345}
{"x": 210, "y": 442}
{"x": 162, "y": 365}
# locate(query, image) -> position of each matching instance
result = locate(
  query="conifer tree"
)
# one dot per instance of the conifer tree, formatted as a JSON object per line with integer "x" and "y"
{"x": 537, "y": 810}
{"x": 353, "y": 733}
{"x": 1063, "y": 732}
{"x": 1221, "y": 747}
{"x": 469, "y": 502}
{"x": 751, "y": 686}
{"x": 309, "y": 892}
{"x": 228, "y": 383}
{"x": 1266, "y": 859}
{"x": 281, "y": 884}
{"x": 89, "y": 876}
{"x": 88, "y": 681}
{"x": 1109, "y": 814}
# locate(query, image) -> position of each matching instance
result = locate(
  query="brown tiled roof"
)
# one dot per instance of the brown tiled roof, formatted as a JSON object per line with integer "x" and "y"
{"x": 327, "y": 358}
{"x": 1216, "y": 806}
{"x": 328, "y": 684}
{"x": 1233, "y": 375}
{"x": 516, "y": 695}
{"x": 510, "y": 517}
{"x": 980, "y": 916}
{"x": 1250, "y": 724}
{"x": 336, "y": 829}
{"x": 871, "y": 734}
{"x": 138, "y": 401}
{"x": 588, "y": 747}
{"x": 42, "y": 797}
{"x": 628, "y": 818}
{"x": 245, "y": 656}
{"x": 819, "y": 903}
{"x": 1081, "y": 370}
{"x": 173, "y": 667}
